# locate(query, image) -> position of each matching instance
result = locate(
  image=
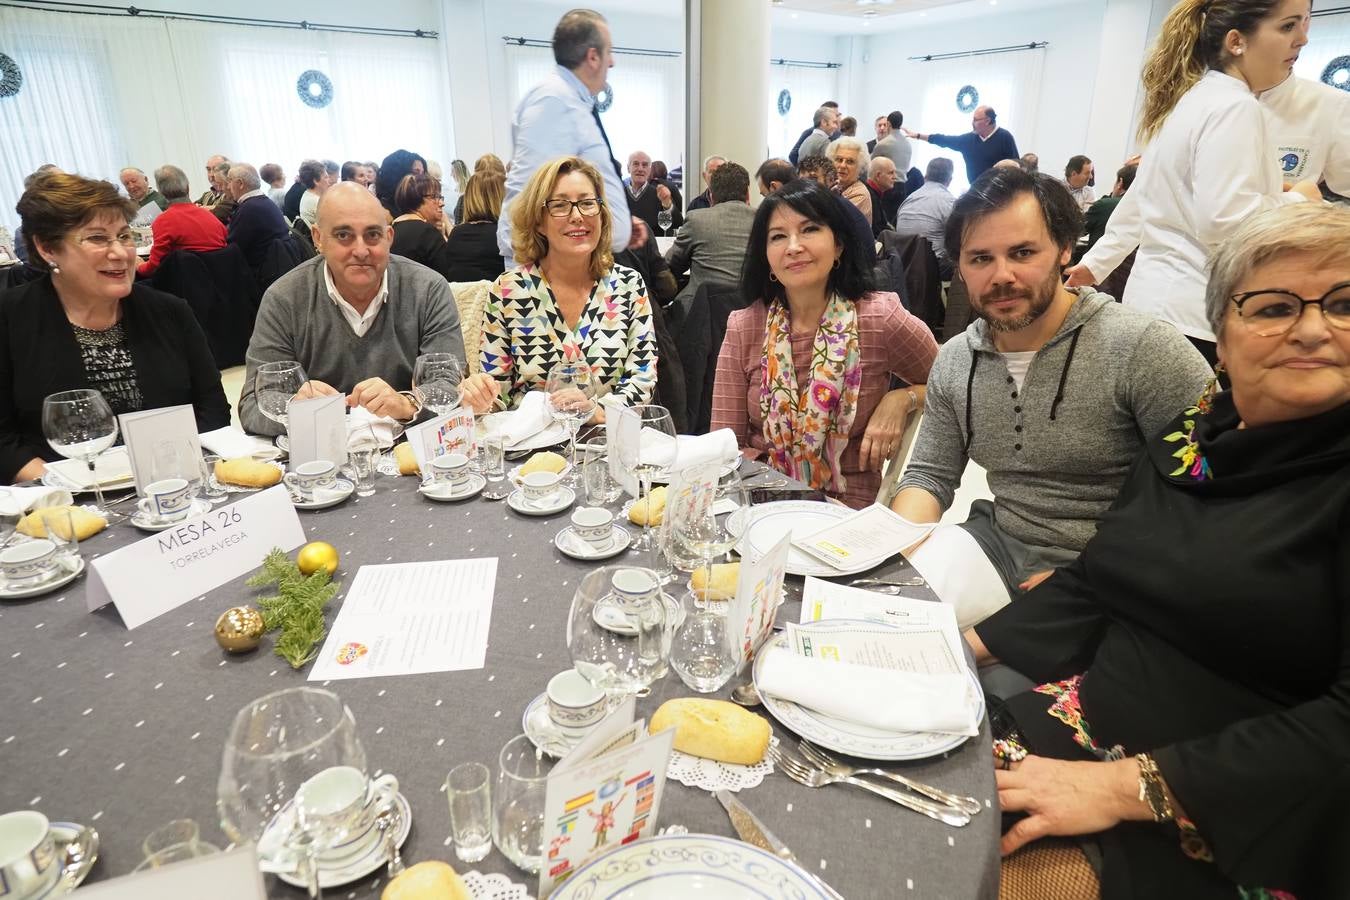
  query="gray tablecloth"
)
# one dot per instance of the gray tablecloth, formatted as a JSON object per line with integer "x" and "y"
{"x": 123, "y": 730}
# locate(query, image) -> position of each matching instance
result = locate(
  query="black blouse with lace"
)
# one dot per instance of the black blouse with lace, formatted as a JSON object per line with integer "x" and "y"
{"x": 109, "y": 367}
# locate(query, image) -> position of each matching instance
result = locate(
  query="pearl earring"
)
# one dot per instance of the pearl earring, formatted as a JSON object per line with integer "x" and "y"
{"x": 55, "y": 269}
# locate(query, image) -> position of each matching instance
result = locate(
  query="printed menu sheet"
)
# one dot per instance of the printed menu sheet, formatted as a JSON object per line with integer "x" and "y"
{"x": 411, "y": 618}
{"x": 866, "y": 538}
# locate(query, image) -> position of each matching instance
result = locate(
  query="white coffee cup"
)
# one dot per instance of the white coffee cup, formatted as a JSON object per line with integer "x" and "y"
{"x": 169, "y": 498}
{"x": 312, "y": 476}
{"x": 28, "y": 561}
{"x": 540, "y": 487}
{"x": 633, "y": 586}
{"x": 594, "y": 525}
{"x": 28, "y": 863}
{"x": 574, "y": 704}
{"x": 452, "y": 468}
{"x": 342, "y": 797}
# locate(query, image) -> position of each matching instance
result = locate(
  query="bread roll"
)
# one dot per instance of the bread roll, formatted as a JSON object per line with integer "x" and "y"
{"x": 714, "y": 729}
{"x": 407, "y": 462}
{"x": 725, "y": 579}
{"x": 638, "y": 514}
{"x": 547, "y": 461}
{"x": 246, "y": 471}
{"x": 86, "y": 524}
{"x": 430, "y": 880}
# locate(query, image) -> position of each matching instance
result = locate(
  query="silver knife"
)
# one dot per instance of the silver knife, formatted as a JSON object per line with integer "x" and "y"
{"x": 754, "y": 832}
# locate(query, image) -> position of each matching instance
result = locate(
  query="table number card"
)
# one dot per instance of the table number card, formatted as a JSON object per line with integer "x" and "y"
{"x": 317, "y": 429}
{"x": 758, "y": 593}
{"x": 169, "y": 568}
{"x": 450, "y": 433}
{"x": 231, "y": 875}
{"x": 162, "y": 443}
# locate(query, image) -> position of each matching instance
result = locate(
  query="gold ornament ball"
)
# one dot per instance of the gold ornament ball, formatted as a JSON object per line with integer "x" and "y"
{"x": 317, "y": 555}
{"x": 239, "y": 629}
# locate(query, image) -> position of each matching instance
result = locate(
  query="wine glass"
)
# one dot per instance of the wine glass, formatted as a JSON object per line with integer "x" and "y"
{"x": 696, "y": 535}
{"x": 80, "y": 425}
{"x": 436, "y": 378}
{"x": 275, "y": 748}
{"x": 656, "y": 452}
{"x": 618, "y": 629}
{"x": 664, "y": 219}
{"x": 571, "y": 400}
{"x": 275, "y": 386}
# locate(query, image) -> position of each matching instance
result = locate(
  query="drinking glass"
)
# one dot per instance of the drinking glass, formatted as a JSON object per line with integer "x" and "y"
{"x": 436, "y": 378}
{"x": 275, "y": 386}
{"x": 601, "y": 487}
{"x": 664, "y": 219}
{"x": 468, "y": 788}
{"x": 276, "y": 744}
{"x": 699, "y": 538}
{"x": 494, "y": 467}
{"x": 619, "y": 639}
{"x": 80, "y": 425}
{"x": 364, "y": 449}
{"x": 60, "y": 528}
{"x": 173, "y": 842}
{"x": 211, "y": 489}
{"x": 176, "y": 853}
{"x": 571, "y": 400}
{"x": 518, "y": 807}
{"x": 656, "y": 452}
{"x": 702, "y": 653}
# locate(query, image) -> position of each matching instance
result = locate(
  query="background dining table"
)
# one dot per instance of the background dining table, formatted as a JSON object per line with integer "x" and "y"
{"x": 123, "y": 730}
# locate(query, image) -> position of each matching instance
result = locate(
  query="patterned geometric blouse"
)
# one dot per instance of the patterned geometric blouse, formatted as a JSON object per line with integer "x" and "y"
{"x": 109, "y": 367}
{"x": 524, "y": 335}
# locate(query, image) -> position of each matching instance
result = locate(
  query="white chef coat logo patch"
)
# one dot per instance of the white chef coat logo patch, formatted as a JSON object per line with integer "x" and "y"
{"x": 1293, "y": 160}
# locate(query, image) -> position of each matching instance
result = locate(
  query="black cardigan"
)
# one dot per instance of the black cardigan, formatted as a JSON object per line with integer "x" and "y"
{"x": 423, "y": 243}
{"x": 40, "y": 356}
{"x": 1212, "y": 622}
{"x": 472, "y": 252}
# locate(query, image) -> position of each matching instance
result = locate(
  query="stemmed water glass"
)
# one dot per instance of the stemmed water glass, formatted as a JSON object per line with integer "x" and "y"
{"x": 275, "y": 386}
{"x": 571, "y": 400}
{"x": 664, "y": 219}
{"x": 656, "y": 452}
{"x": 436, "y": 378}
{"x": 276, "y": 744}
{"x": 700, "y": 537}
{"x": 80, "y": 425}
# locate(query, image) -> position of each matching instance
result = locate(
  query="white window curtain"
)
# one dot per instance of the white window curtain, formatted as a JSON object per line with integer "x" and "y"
{"x": 103, "y": 92}
{"x": 648, "y": 109}
{"x": 809, "y": 88}
{"x": 1328, "y": 39}
{"x": 1009, "y": 82}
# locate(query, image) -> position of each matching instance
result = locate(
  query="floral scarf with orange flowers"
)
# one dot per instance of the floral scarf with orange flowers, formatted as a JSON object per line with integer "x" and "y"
{"x": 807, "y": 430}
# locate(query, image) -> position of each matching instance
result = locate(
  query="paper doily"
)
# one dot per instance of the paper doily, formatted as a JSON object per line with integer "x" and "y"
{"x": 493, "y": 887}
{"x": 710, "y": 775}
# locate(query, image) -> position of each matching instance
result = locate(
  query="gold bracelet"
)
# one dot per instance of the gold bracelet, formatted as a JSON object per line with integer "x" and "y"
{"x": 913, "y": 402}
{"x": 1152, "y": 790}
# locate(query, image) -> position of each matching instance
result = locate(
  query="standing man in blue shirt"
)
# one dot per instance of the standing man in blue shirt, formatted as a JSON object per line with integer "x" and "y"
{"x": 981, "y": 147}
{"x": 558, "y": 117}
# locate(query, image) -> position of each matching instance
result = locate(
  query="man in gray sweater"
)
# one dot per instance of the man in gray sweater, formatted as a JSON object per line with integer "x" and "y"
{"x": 355, "y": 317}
{"x": 1053, "y": 392}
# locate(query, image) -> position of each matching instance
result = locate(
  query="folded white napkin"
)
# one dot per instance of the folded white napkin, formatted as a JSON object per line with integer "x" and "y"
{"x": 527, "y": 420}
{"x": 26, "y": 499}
{"x": 230, "y": 442}
{"x": 718, "y": 446}
{"x": 879, "y": 698}
{"x": 113, "y": 469}
{"x": 386, "y": 429}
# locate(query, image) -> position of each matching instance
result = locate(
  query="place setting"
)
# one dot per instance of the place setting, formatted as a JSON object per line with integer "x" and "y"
{"x": 451, "y": 479}
{"x": 31, "y": 566}
{"x": 40, "y": 859}
{"x": 592, "y": 535}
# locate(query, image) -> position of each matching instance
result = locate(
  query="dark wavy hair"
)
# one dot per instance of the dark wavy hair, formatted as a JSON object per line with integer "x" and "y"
{"x": 997, "y": 188}
{"x": 850, "y": 279}
{"x": 391, "y": 172}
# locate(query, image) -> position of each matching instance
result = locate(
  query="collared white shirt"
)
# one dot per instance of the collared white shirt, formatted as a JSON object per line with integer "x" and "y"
{"x": 258, "y": 193}
{"x": 989, "y": 135}
{"x": 359, "y": 322}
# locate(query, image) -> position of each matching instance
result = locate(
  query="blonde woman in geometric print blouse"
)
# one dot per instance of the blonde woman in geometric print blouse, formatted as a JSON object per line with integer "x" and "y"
{"x": 566, "y": 299}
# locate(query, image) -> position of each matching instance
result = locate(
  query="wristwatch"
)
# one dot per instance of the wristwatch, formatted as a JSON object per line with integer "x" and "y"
{"x": 1152, "y": 790}
{"x": 416, "y": 404}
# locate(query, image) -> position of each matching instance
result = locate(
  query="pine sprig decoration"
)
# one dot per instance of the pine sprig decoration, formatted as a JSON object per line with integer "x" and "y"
{"x": 296, "y": 608}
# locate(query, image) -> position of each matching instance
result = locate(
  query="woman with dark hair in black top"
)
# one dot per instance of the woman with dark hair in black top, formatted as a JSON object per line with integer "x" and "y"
{"x": 391, "y": 173}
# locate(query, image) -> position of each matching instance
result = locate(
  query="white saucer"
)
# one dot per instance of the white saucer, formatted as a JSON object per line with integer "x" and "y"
{"x": 45, "y": 586}
{"x": 437, "y": 490}
{"x": 144, "y": 522}
{"x": 349, "y": 869}
{"x": 609, "y": 617}
{"x": 543, "y": 733}
{"x": 564, "y": 498}
{"x": 76, "y": 851}
{"x": 573, "y": 546}
{"x": 516, "y": 477}
{"x": 326, "y": 497}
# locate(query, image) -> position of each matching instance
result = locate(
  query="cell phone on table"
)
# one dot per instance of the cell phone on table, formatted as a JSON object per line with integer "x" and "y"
{"x": 773, "y": 496}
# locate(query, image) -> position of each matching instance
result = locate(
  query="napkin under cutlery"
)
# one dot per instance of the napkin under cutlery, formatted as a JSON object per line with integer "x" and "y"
{"x": 527, "y": 420}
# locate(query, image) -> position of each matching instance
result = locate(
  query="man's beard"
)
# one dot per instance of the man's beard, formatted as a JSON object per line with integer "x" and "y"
{"x": 1040, "y": 296}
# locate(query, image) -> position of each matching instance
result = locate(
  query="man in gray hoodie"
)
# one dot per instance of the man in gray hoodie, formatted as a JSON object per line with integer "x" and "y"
{"x": 1053, "y": 391}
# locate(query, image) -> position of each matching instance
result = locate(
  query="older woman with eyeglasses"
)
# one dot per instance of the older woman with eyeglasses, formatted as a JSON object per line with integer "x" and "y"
{"x": 566, "y": 299}
{"x": 86, "y": 324}
{"x": 1194, "y": 716}
{"x": 418, "y": 231}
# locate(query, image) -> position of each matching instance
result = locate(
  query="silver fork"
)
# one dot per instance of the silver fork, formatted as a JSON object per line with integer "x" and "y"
{"x": 833, "y": 766}
{"x": 806, "y": 774}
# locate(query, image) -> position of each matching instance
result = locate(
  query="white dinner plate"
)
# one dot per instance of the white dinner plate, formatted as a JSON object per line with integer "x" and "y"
{"x": 113, "y": 468}
{"x": 770, "y": 521}
{"x": 702, "y": 865}
{"x": 850, "y": 737}
{"x": 553, "y": 434}
{"x": 42, "y": 586}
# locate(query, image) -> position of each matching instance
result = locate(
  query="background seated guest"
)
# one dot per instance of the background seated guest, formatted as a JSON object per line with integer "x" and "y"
{"x": 471, "y": 249}
{"x": 661, "y": 175}
{"x": 290, "y": 204}
{"x": 183, "y": 226}
{"x": 566, "y": 299}
{"x": 356, "y": 171}
{"x": 85, "y": 324}
{"x": 491, "y": 164}
{"x": 894, "y": 145}
{"x": 1160, "y": 640}
{"x": 1031, "y": 162}
{"x": 417, "y": 229}
{"x": 925, "y": 211}
{"x": 255, "y": 224}
{"x": 217, "y": 199}
{"x": 274, "y": 177}
{"x": 880, "y": 186}
{"x": 355, "y": 317}
{"x": 1094, "y": 222}
{"x": 711, "y": 245}
{"x": 149, "y": 202}
{"x": 317, "y": 178}
{"x": 772, "y": 174}
{"x": 850, "y": 159}
{"x": 647, "y": 198}
{"x": 821, "y": 170}
{"x": 805, "y": 371}
{"x": 1080, "y": 176}
{"x": 704, "y": 200}
{"x": 392, "y": 171}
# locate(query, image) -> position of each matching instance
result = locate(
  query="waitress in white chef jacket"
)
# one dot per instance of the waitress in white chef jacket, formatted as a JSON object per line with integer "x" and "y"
{"x": 1210, "y": 164}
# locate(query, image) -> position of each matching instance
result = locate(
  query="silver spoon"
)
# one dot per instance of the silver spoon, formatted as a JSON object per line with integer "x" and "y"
{"x": 386, "y": 822}
{"x": 746, "y": 695}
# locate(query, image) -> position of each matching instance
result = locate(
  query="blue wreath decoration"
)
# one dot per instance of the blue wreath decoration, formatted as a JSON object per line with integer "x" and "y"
{"x": 605, "y": 99}
{"x": 967, "y": 98}
{"x": 784, "y": 101}
{"x": 1337, "y": 73}
{"x": 11, "y": 79}
{"x": 305, "y": 84}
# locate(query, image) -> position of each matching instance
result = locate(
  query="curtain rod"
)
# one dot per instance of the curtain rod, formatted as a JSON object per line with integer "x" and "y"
{"x": 805, "y": 64}
{"x": 628, "y": 51}
{"x": 1333, "y": 11}
{"x": 931, "y": 57}
{"x": 100, "y": 9}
